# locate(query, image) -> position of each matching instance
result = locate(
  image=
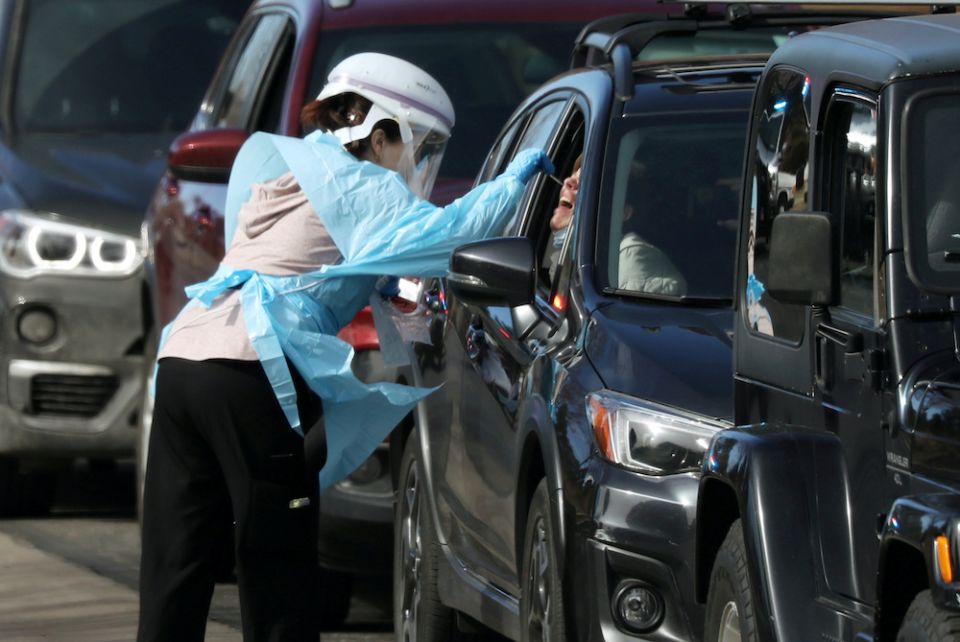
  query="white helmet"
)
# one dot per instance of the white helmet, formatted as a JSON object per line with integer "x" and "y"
{"x": 406, "y": 94}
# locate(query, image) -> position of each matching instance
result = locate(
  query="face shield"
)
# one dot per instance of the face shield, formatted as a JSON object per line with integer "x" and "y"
{"x": 422, "y": 155}
{"x": 424, "y": 142}
{"x": 407, "y": 95}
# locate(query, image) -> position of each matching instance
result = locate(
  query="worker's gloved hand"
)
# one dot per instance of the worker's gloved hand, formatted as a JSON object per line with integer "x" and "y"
{"x": 527, "y": 163}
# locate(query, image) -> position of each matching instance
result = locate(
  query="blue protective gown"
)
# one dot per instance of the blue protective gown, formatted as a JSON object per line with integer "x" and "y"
{"x": 380, "y": 228}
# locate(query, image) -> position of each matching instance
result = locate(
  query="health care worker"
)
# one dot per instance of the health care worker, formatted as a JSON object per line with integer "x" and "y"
{"x": 252, "y": 362}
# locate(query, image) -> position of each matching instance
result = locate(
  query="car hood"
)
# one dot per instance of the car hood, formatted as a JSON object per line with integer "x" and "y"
{"x": 677, "y": 356}
{"x": 104, "y": 181}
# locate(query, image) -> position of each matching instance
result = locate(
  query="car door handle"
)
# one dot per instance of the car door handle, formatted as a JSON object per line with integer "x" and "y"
{"x": 475, "y": 340}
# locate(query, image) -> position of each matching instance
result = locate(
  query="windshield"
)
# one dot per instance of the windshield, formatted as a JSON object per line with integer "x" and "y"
{"x": 933, "y": 191}
{"x": 486, "y": 69}
{"x": 717, "y": 42}
{"x": 671, "y": 196}
{"x": 118, "y": 65}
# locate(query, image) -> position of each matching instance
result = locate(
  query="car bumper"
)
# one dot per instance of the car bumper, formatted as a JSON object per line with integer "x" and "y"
{"x": 77, "y": 394}
{"x": 643, "y": 534}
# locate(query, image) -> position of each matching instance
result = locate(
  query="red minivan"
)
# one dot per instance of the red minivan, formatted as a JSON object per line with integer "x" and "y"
{"x": 488, "y": 55}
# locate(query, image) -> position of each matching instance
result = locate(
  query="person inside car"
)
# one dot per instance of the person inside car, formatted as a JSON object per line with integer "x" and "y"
{"x": 642, "y": 266}
{"x": 253, "y": 361}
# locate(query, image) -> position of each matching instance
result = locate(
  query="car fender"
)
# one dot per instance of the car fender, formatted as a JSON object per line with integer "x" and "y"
{"x": 916, "y": 521}
{"x": 769, "y": 474}
{"x": 538, "y": 441}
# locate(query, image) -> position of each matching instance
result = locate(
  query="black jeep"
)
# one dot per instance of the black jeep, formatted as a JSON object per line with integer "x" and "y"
{"x": 831, "y": 512}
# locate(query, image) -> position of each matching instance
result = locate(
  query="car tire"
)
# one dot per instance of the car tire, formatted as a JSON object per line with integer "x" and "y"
{"x": 924, "y": 622}
{"x": 541, "y": 596}
{"x": 418, "y": 614}
{"x": 730, "y": 612}
{"x": 336, "y": 591}
{"x": 25, "y": 494}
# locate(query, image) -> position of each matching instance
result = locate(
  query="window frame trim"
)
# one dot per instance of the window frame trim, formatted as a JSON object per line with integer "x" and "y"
{"x": 851, "y": 94}
{"x": 762, "y": 93}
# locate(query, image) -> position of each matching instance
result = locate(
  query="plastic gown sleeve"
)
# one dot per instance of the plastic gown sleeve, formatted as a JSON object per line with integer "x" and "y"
{"x": 380, "y": 228}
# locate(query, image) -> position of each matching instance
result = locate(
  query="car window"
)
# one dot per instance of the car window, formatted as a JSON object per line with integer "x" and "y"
{"x": 495, "y": 159}
{"x": 239, "y": 101}
{"x": 852, "y": 132}
{"x": 779, "y": 181}
{"x": 539, "y": 129}
{"x": 73, "y": 51}
{"x": 932, "y": 171}
{"x": 717, "y": 42}
{"x": 667, "y": 219}
{"x": 549, "y": 226}
{"x": 488, "y": 69}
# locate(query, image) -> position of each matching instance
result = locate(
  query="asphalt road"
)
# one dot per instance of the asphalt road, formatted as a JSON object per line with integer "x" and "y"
{"x": 93, "y": 526}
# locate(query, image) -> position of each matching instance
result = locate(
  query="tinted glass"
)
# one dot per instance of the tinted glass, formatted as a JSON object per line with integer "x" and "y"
{"x": 487, "y": 70}
{"x": 118, "y": 65}
{"x": 933, "y": 190}
{"x": 243, "y": 90}
{"x": 536, "y": 135}
{"x": 853, "y": 128}
{"x": 669, "y": 209}
{"x": 779, "y": 184}
{"x": 717, "y": 42}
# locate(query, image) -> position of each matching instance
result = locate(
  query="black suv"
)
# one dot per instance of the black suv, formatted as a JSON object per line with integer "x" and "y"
{"x": 549, "y": 489}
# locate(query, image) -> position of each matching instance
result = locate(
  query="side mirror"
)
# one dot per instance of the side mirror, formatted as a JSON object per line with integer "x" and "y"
{"x": 205, "y": 156}
{"x": 802, "y": 267}
{"x": 497, "y": 272}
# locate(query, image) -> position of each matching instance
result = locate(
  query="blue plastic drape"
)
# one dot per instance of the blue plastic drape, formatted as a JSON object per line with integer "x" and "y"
{"x": 380, "y": 228}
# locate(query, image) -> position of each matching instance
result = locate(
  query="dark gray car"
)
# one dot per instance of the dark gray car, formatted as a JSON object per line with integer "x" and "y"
{"x": 92, "y": 93}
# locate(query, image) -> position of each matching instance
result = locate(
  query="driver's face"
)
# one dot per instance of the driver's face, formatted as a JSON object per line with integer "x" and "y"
{"x": 567, "y": 201}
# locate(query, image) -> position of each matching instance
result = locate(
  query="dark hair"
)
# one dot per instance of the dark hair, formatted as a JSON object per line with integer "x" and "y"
{"x": 344, "y": 110}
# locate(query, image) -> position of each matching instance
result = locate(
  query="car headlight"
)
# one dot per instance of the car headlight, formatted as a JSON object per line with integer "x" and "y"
{"x": 31, "y": 244}
{"x": 648, "y": 437}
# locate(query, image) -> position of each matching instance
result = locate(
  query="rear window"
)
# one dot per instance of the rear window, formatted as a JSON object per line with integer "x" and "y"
{"x": 487, "y": 69}
{"x": 671, "y": 192}
{"x": 118, "y": 65}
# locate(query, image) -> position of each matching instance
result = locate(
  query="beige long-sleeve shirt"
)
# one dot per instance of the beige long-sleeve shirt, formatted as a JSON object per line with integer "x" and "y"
{"x": 279, "y": 233}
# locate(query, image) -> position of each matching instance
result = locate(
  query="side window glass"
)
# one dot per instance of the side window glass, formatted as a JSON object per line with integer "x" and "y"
{"x": 779, "y": 184}
{"x": 494, "y": 164}
{"x": 553, "y": 219}
{"x": 852, "y": 131}
{"x": 240, "y": 97}
{"x": 537, "y": 134}
{"x": 269, "y": 109}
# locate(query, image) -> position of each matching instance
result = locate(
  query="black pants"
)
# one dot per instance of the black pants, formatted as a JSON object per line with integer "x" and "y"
{"x": 221, "y": 450}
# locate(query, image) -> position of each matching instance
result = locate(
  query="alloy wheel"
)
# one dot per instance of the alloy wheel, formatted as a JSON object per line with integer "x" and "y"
{"x": 729, "y": 624}
{"x": 538, "y": 585}
{"x": 412, "y": 555}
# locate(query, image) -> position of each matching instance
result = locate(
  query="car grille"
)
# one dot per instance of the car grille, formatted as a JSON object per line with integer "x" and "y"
{"x": 70, "y": 395}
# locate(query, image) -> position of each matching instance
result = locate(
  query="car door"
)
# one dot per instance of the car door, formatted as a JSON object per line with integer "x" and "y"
{"x": 497, "y": 351}
{"x": 811, "y": 366}
{"x": 246, "y": 94}
{"x": 848, "y": 342}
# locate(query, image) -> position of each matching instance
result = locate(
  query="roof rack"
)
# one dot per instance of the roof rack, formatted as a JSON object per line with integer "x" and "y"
{"x": 620, "y": 39}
